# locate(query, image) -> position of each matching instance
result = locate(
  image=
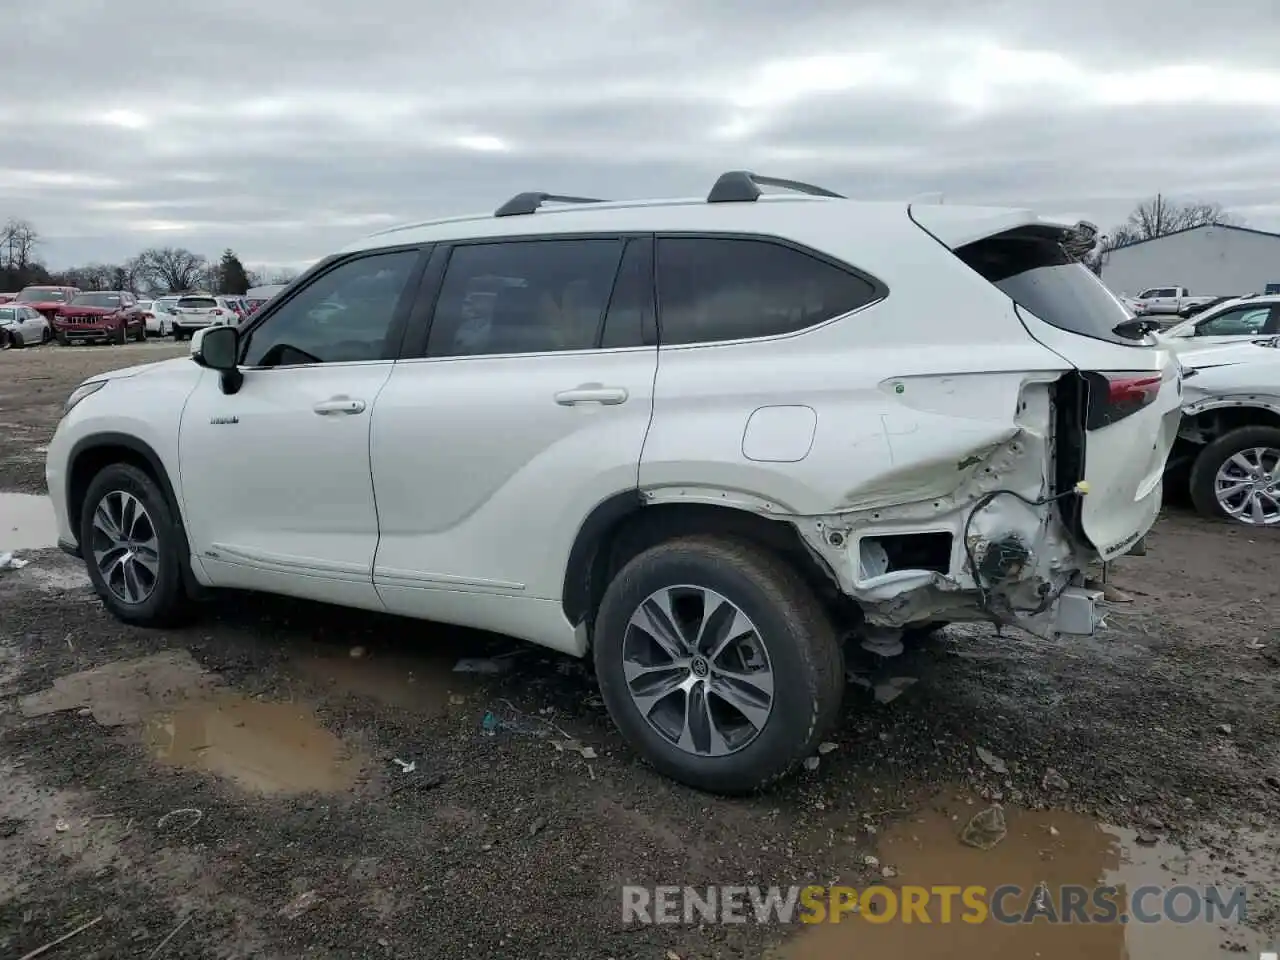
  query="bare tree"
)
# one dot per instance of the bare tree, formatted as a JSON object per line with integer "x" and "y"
{"x": 171, "y": 268}
{"x": 1157, "y": 217}
{"x": 18, "y": 242}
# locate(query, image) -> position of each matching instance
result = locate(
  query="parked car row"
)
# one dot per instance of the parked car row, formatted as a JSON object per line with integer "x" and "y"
{"x": 38, "y": 314}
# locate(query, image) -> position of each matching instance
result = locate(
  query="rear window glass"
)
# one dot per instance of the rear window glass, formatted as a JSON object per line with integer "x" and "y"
{"x": 1039, "y": 276}
{"x": 202, "y": 303}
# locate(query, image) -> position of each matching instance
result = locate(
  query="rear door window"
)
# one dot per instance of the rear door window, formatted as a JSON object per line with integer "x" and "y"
{"x": 1042, "y": 278}
{"x": 525, "y": 296}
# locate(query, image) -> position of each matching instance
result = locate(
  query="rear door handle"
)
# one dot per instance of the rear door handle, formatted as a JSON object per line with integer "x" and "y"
{"x": 339, "y": 405}
{"x": 591, "y": 393}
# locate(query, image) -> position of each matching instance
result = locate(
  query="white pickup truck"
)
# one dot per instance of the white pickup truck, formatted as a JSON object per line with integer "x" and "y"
{"x": 1175, "y": 301}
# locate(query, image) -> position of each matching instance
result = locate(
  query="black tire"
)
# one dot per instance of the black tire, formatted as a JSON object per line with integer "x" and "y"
{"x": 121, "y": 336}
{"x": 798, "y": 636}
{"x": 62, "y": 340}
{"x": 168, "y": 603}
{"x": 16, "y": 341}
{"x": 4, "y": 340}
{"x": 46, "y": 335}
{"x": 1214, "y": 455}
{"x": 179, "y": 334}
{"x": 141, "y": 334}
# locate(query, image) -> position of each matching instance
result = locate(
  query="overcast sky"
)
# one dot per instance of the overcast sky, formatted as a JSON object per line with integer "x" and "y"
{"x": 286, "y": 129}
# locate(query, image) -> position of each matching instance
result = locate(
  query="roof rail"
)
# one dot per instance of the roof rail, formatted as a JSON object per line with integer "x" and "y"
{"x": 740, "y": 186}
{"x": 523, "y": 203}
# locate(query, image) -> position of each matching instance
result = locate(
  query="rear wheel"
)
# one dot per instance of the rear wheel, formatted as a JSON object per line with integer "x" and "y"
{"x": 4, "y": 340}
{"x": 1237, "y": 477}
{"x": 140, "y": 334}
{"x": 133, "y": 547}
{"x": 718, "y": 663}
{"x": 179, "y": 333}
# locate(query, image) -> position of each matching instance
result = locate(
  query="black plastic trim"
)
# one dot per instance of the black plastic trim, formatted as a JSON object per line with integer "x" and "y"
{"x": 576, "y": 595}
{"x": 526, "y": 203}
{"x": 742, "y": 186}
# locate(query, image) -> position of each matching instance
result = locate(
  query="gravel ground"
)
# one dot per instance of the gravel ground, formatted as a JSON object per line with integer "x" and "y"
{"x": 311, "y": 841}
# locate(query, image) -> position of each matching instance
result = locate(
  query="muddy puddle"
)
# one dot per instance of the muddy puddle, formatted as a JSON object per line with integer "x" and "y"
{"x": 26, "y": 522}
{"x": 264, "y": 747}
{"x": 186, "y": 717}
{"x": 1043, "y": 853}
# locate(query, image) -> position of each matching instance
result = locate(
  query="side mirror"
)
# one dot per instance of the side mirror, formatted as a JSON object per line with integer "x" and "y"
{"x": 218, "y": 348}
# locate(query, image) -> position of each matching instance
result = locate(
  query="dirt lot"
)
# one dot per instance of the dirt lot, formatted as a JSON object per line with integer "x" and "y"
{"x": 238, "y": 788}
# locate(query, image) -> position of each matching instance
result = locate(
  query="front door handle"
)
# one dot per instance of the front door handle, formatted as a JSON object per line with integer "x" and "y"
{"x": 591, "y": 393}
{"x": 339, "y": 405}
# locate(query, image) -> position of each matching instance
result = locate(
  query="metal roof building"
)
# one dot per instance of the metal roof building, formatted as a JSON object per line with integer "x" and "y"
{"x": 1213, "y": 260}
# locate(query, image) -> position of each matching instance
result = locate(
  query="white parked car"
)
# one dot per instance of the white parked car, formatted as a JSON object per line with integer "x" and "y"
{"x": 1235, "y": 321}
{"x": 21, "y": 325}
{"x": 198, "y": 311}
{"x": 701, "y": 441}
{"x": 158, "y": 318}
{"x": 1228, "y": 449}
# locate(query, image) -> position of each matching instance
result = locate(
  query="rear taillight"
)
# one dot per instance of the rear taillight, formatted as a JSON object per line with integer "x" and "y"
{"x": 217, "y": 312}
{"x": 1114, "y": 396}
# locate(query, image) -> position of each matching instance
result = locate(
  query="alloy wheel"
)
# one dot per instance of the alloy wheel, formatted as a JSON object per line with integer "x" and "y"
{"x": 697, "y": 670}
{"x": 1247, "y": 486}
{"x": 126, "y": 548}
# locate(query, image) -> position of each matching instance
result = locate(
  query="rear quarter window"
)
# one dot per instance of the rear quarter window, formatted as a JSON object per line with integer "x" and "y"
{"x": 714, "y": 289}
{"x": 1040, "y": 277}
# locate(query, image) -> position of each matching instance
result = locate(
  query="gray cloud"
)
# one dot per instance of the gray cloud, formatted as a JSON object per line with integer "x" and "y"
{"x": 286, "y": 130}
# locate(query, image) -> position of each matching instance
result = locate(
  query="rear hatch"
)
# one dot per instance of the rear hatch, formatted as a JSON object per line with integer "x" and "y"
{"x": 1118, "y": 415}
{"x": 199, "y": 312}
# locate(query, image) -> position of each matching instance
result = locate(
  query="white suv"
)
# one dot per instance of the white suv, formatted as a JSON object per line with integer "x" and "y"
{"x": 703, "y": 440}
{"x": 197, "y": 311}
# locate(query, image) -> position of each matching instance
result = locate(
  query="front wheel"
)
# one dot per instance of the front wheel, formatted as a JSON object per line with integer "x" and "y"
{"x": 1237, "y": 477}
{"x": 718, "y": 663}
{"x": 133, "y": 546}
{"x": 140, "y": 334}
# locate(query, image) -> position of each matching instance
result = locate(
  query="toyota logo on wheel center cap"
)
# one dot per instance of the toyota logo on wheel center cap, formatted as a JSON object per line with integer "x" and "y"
{"x": 699, "y": 667}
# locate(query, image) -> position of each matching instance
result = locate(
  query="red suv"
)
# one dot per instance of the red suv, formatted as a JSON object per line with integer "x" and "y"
{"x": 108, "y": 316}
{"x": 46, "y": 298}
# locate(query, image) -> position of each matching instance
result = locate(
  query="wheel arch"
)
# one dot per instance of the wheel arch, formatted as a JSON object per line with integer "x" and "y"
{"x": 624, "y": 525}
{"x": 91, "y": 454}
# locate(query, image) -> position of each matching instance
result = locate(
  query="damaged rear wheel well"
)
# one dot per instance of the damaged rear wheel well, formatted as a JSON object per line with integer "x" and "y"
{"x": 622, "y": 528}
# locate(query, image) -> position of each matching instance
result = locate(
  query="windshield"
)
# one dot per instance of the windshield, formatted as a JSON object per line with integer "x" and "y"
{"x": 1042, "y": 278}
{"x": 96, "y": 300}
{"x": 42, "y": 295}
